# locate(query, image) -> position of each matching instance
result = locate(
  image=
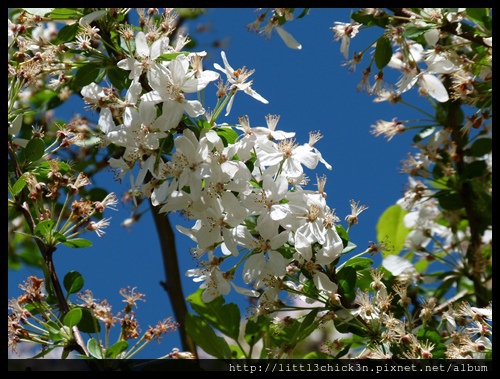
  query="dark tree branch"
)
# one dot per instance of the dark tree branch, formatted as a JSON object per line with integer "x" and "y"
{"x": 172, "y": 285}
{"x": 469, "y": 199}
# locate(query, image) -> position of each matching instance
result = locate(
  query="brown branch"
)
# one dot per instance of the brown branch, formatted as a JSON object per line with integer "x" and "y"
{"x": 469, "y": 199}
{"x": 172, "y": 285}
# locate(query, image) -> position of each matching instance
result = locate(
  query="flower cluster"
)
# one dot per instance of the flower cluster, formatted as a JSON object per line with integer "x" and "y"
{"x": 245, "y": 191}
{"x": 32, "y": 319}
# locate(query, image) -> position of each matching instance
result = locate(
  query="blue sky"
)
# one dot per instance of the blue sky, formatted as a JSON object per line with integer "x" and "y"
{"x": 310, "y": 90}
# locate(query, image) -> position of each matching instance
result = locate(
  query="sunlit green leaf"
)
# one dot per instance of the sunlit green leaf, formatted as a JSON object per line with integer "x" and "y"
{"x": 359, "y": 263}
{"x": 116, "y": 349}
{"x": 224, "y": 317}
{"x": 426, "y": 132}
{"x": 350, "y": 246}
{"x": 228, "y": 135}
{"x": 170, "y": 56}
{"x": 391, "y": 229}
{"x": 411, "y": 31}
{"x": 65, "y": 14}
{"x": 92, "y": 141}
{"x": 59, "y": 237}
{"x": 44, "y": 228}
{"x": 94, "y": 349}
{"x": 19, "y": 184}
{"x": 77, "y": 243}
{"x": 73, "y": 317}
{"x": 479, "y": 15}
{"x": 203, "y": 336}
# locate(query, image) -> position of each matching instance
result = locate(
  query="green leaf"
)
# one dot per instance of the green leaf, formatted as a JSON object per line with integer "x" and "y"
{"x": 350, "y": 246}
{"x": 45, "y": 100}
{"x": 204, "y": 336}
{"x": 424, "y": 133}
{"x": 370, "y": 20}
{"x": 307, "y": 326}
{"x": 91, "y": 141}
{"x": 449, "y": 200}
{"x": 342, "y": 234}
{"x": 412, "y": 32}
{"x": 478, "y": 15}
{"x": 77, "y": 243}
{"x": 88, "y": 323}
{"x": 347, "y": 281}
{"x": 359, "y": 263}
{"x": 44, "y": 228}
{"x": 34, "y": 151}
{"x": 43, "y": 353}
{"x": 73, "y": 282}
{"x": 480, "y": 147}
{"x": 383, "y": 52}
{"x": 224, "y": 317}
{"x": 94, "y": 349}
{"x": 227, "y": 135}
{"x": 65, "y": 14}
{"x": 317, "y": 355}
{"x": 391, "y": 226}
{"x": 116, "y": 349}
{"x": 53, "y": 329}
{"x": 19, "y": 184}
{"x": 68, "y": 32}
{"x": 73, "y": 317}
{"x": 303, "y": 13}
{"x": 170, "y": 56}
{"x": 43, "y": 169}
{"x": 255, "y": 330}
{"x": 87, "y": 74}
{"x": 474, "y": 169}
{"x": 59, "y": 237}
{"x": 118, "y": 78}
{"x": 444, "y": 287}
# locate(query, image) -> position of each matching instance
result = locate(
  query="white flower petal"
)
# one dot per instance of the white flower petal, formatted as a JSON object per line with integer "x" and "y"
{"x": 432, "y": 37}
{"x": 397, "y": 265}
{"x": 288, "y": 38}
{"x": 323, "y": 283}
{"x": 434, "y": 88}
